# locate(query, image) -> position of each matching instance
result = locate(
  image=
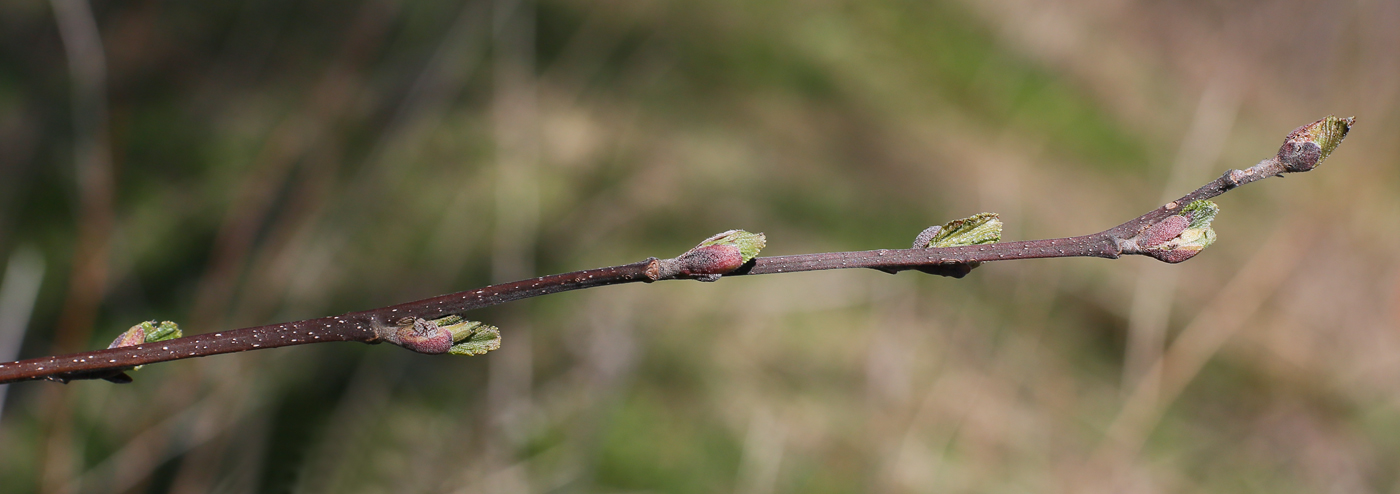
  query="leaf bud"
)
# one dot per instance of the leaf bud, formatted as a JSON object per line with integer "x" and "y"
{"x": 1181, "y": 236}
{"x": 147, "y": 332}
{"x": 720, "y": 254}
{"x": 1307, "y": 146}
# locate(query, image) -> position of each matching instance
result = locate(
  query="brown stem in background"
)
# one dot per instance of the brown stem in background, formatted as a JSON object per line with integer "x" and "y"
{"x": 1302, "y": 150}
{"x": 294, "y": 138}
{"x": 92, "y": 159}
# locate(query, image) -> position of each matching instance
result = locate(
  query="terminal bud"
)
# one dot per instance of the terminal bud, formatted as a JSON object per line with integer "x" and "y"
{"x": 1307, "y": 146}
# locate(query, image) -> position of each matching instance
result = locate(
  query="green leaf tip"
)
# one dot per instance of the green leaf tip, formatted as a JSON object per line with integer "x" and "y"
{"x": 147, "y": 332}
{"x": 483, "y": 338}
{"x": 470, "y": 337}
{"x": 469, "y": 332}
{"x": 978, "y": 229}
{"x": 749, "y": 244}
{"x": 1200, "y": 213}
{"x": 1307, "y": 146}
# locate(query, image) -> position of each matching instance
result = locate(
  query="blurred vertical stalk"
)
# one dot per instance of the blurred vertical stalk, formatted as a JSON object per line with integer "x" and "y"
{"x": 1156, "y": 285}
{"x": 242, "y": 278}
{"x": 1230, "y": 310}
{"x": 92, "y": 159}
{"x": 514, "y": 112}
{"x": 87, "y": 69}
{"x": 458, "y": 58}
{"x": 762, "y": 454}
{"x": 23, "y": 275}
{"x": 300, "y": 142}
{"x": 515, "y": 120}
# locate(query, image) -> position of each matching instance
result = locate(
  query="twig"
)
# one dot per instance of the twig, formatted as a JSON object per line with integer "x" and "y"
{"x": 1172, "y": 233}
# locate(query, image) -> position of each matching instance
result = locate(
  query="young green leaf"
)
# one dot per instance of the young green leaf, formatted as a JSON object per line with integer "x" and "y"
{"x": 978, "y": 229}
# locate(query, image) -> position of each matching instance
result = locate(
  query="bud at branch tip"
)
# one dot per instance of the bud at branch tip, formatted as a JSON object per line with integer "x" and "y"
{"x": 1307, "y": 146}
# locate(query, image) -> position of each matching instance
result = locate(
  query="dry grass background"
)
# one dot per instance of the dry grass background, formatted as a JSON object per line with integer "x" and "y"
{"x": 258, "y": 161}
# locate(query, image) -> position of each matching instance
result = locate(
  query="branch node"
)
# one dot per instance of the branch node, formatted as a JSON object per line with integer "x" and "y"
{"x": 1234, "y": 178}
{"x": 653, "y": 270}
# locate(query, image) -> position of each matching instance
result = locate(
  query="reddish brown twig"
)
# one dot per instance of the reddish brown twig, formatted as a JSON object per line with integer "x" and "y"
{"x": 412, "y": 325}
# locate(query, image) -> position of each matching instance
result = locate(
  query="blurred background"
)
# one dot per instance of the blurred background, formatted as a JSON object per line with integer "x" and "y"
{"x": 233, "y": 163}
